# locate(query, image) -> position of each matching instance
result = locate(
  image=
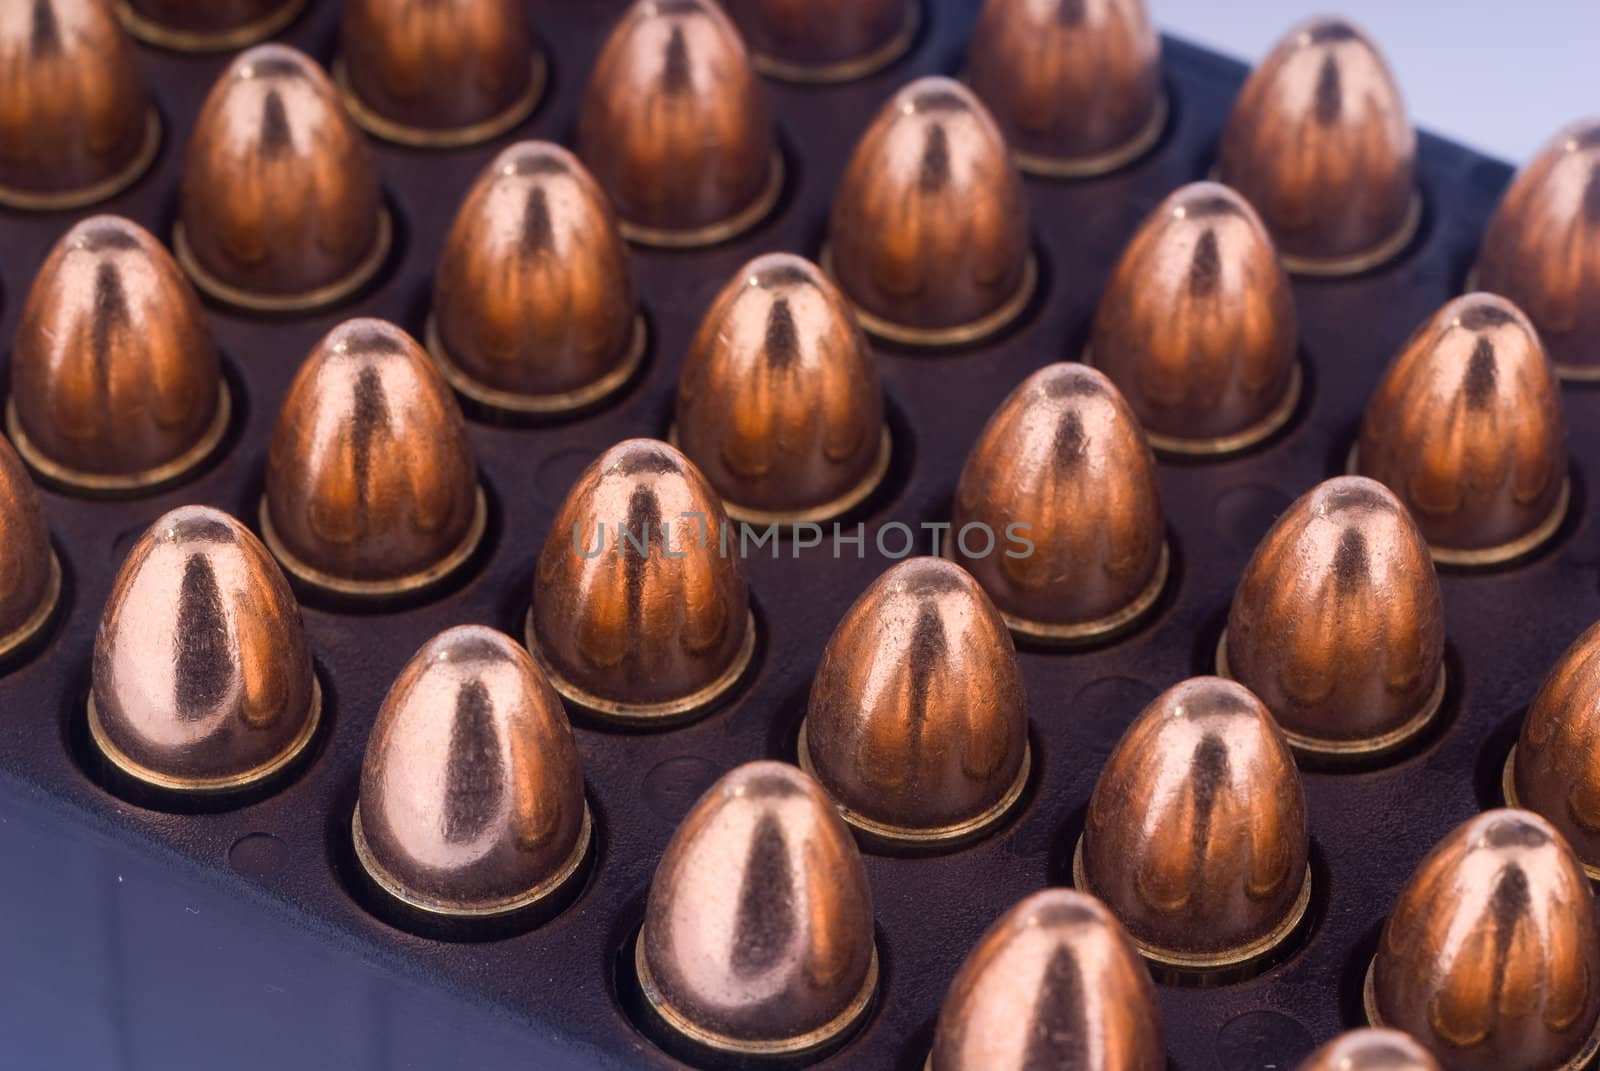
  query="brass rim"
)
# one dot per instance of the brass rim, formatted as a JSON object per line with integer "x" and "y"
{"x": 1508, "y": 789}
{"x": 838, "y": 506}
{"x": 1365, "y": 746}
{"x": 41, "y": 614}
{"x": 421, "y": 137}
{"x": 1087, "y": 631}
{"x": 646, "y": 713}
{"x": 337, "y": 290}
{"x": 198, "y": 785}
{"x": 111, "y": 483}
{"x": 153, "y": 33}
{"x": 537, "y": 404}
{"x": 1222, "y": 445}
{"x": 55, "y": 201}
{"x": 1233, "y": 957}
{"x": 935, "y": 337}
{"x": 816, "y": 1039}
{"x": 845, "y": 70}
{"x": 1105, "y": 162}
{"x": 942, "y": 835}
{"x": 417, "y": 581}
{"x": 720, "y": 231}
{"x": 1365, "y": 260}
{"x": 493, "y": 909}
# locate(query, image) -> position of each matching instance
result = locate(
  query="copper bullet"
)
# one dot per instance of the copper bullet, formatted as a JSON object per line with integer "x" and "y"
{"x": 1489, "y": 958}
{"x": 533, "y": 303}
{"x": 917, "y": 725}
{"x": 1060, "y": 496}
{"x": 1055, "y": 983}
{"x": 30, "y": 575}
{"x": 438, "y": 73}
{"x": 757, "y": 938}
{"x": 1370, "y": 1049}
{"x": 929, "y": 234}
{"x": 371, "y": 485}
{"x": 825, "y": 40}
{"x": 1466, "y": 428}
{"x": 1076, "y": 87}
{"x": 472, "y": 801}
{"x": 75, "y": 124}
{"x": 280, "y": 208}
{"x": 115, "y": 383}
{"x": 1554, "y": 769}
{"x": 779, "y": 402}
{"x": 1320, "y": 143}
{"x": 1196, "y": 837}
{"x": 202, "y": 680}
{"x": 639, "y": 610}
{"x": 206, "y": 25}
{"x": 675, "y": 126}
{"x": 1337, "y": 624}
{"x": 1197, "y": 326}
{"x": 1542, "y": 248}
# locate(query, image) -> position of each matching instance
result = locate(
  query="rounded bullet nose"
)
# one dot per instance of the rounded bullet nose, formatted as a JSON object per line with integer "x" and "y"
{"x": 202, "y": 679}
{"x": 115, "y": 383}
{"x": 639, "y": 610}
{"x": 1076, "y": 87}
{"x": 1054, "y": 983}
{"x": 674, "y": 125}
{"x": 30, "y": 575}
{"x": 929, "y": 234}
{"x": 75, "y": 124}
{"x": 438, "y": 75}
{"x": 279, "y": 208}
{"x": 1058, "y": 513}
{"x": 1320, "y": 143}
{"x": 1466, "y": 428}
{"x": 779, "y": 402}
{"x": 1337, "y": 624}
{"x": 1197, "y": 326}
{"x": 1555, "y": 768}
{"x": 472, "y": 800}
{"x": 1196, "y": 835}
{"x": 825, "y": 40}
{"x": 758, "y": 933}
{"x": 917, "y": 725}
{"x": 1370, "y": 1049}
{"x": 533, "y": 306}
{"x": 371, "y": 485}
{"x": 1542, "y": 248}
{"x": 1489, "y": 958}
{"x": 212, "y": 26}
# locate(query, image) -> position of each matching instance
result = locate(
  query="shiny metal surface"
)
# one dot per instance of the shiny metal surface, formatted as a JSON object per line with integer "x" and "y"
{"x": 675, "y": 126}
{"x": 758, "y": 934}
{"x": 472, "y": 799}
{"x": 1197, "y": 327}
{"x": 929, "y": 234}
{"x": 1054, "y": 983}
{"x": 1555, "y": 767}
{"x": 779, "y": 401}
{"x": 1063, "y": 465}
{"x": 638, "y": 611}
{"x": 115, "y": 382}
{"x": 1074, "y": 84}
{"x": 30, "y": 575}
{"x": 202, "y": 679}
{"x": 1337, "y": 624}
{"x": 75, "y": 123}
{"x": 206, "y": 25}
{"x": 825, "y": 40}
{"x": 1320, "y": 143}
{"x": 1542, "y": 248}
{"x": 371, "y": 485}
{"x": 534, "y": 308}
{"x": 438, "y": 73}
{"x": 1466, "y": 428}
{"x": 279, "y": 207}
{"x": 1196, "y": 834}
{"x": 1490, "y": 957}
{"x": 917, "y": 725}
{"x": 1370, "y": 1049}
